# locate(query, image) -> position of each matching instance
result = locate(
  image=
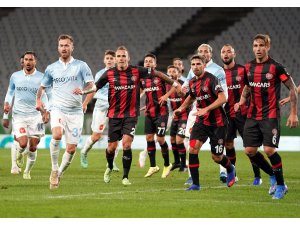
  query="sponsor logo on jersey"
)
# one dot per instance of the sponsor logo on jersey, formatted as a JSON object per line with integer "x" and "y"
{"x": 64, "y": 79}
{"x": 151, "y": 89}
{"x": 269, "y": 76}
{"x": 183, "y": 125}
{"x": 259, "y": 84}
{"x": 249, "y": 74}
{"x": 163, "y": 124}
{"x": 30, "y": 89}
{"x": 236, "y": 86}
{"x": 220, "y": 141}
{"x": 125, "y": 87}
{"x": 203, "y": 97}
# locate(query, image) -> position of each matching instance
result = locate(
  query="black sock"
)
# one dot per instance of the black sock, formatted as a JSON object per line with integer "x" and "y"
{"x": 151, "y": 149}
{"x": 275, "y": 160}
{"x": 194, "y": 164}
{"x": 256, "y": 170}
{"x": 127, "y": 159}
{"x": 259, "y": 160}
{"x": 110, "y": 159}
{"x": 230, "y": 153}
{"x": 225, "y": 162}
{"x": 175, "y": 153}
{"x": 165, "y": 153}
{"x": 182, "y": 155}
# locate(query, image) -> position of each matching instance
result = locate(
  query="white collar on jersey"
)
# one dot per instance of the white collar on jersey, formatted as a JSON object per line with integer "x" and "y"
{"x": 209, "y": 62}
{"x": 29, "y": 74}
{"x": 71, "y": 60}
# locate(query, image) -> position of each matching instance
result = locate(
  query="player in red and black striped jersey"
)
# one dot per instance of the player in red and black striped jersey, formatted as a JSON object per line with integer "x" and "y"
{"x": 264, "y": 77}
{"x": 178, "y": 125}
{"x": 211, "y": 121}
{"x": 156, "y": 117}
{"x": 124, "y": 106}
{"x": 235, "y": 79}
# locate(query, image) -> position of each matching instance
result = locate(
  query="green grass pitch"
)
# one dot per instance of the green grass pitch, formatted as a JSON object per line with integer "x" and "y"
{"x": 83, "y": 194}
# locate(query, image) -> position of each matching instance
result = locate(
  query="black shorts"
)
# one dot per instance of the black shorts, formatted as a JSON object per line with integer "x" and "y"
{"x": 217, "y": 136}
{"x": 178, "y": 128}
{"x": 262, "y": 132}
{"x": 118, "y": 127}
{"x": 235, "y": 124}
{"x": 156, "y": 125}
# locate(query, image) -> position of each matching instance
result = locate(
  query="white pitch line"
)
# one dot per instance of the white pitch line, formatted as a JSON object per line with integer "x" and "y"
{"x": 137, "y": 191}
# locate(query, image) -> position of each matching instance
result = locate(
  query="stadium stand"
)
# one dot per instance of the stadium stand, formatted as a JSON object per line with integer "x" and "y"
{"x": 94, "y": 31}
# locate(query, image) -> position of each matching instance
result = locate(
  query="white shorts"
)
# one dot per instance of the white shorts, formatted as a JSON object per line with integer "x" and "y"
{"x": 28, "y": 126}
{"x": 190, "y": 123}
{"x": 99, "y": 120}
{"x": 71, "y": 123}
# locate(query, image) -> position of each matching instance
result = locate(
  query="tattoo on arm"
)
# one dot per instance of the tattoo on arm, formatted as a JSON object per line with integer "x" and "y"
{"x": 293, "y": 94}
{"x": 246, "y": 92}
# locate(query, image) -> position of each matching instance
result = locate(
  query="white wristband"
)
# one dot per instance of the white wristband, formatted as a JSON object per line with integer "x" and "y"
{"x": 174, "y": 84}
{"x": 5, "y": 116}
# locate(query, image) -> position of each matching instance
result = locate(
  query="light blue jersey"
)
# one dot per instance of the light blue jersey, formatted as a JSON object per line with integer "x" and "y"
{"x": 215, "y": 70}
{"x": 24, "y": 88}
{"x": 102, "y": 94}
{"x": 64, "y": 78}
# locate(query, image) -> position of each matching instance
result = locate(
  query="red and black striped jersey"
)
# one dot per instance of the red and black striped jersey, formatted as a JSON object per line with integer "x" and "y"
{"x": 124, "y": 90}
{"x": 264, "y": 80}
{"x": 176, "y": 101}
{"x": 154, "y": 89}
{"x": 235, "y": 79}
{"x": 205, "y": 90}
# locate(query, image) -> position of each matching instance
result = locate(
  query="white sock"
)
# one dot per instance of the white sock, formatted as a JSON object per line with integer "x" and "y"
{"x": 66, "y": 161}
{"x": 88, "y": 145}
{"x": 31, "y": 157}
{"x": 222, "y": 169}
{"x": 26, "y": 149}
{"x": 54, "y": 153}
{"x": 13, "y": 151}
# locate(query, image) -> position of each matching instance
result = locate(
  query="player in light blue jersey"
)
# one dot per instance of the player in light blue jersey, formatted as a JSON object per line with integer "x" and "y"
{"x": 66, "y": 113}
{"x": 27, "y": 122}
{"x": 5, "y": 122}
{"x": 213, "y": 68}
{"x": 100, "y": 110}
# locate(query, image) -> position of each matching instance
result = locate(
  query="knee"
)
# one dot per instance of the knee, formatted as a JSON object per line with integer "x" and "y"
{"x": 149, "y": 137}
{"x": 33, "y": 148}
{"x": 229, "y": 144}
{"x": 250, "y": 152}
{"x": 161, "y": 140}
{"x": 126, "y": 145}
{"x": 57, "y": 136}
{"x": 23, "y": 144}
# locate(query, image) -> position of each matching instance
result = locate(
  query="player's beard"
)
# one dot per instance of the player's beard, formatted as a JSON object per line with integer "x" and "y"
{"x": 228, "y": 61}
